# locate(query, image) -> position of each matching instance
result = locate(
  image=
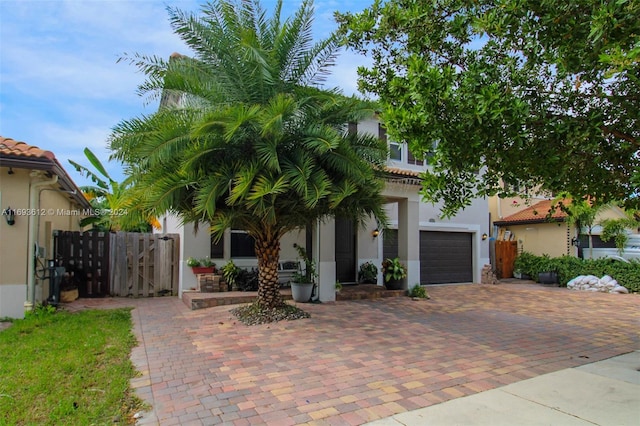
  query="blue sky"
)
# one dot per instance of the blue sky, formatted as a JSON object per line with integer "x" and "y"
{"x": 61, "y": 88}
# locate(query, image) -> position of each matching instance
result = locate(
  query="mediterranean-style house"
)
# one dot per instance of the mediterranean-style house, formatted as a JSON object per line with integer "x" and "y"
{"x": 435, "y": 251}
{"x": 37, "y": 196}
{"x": 527, "y": 222}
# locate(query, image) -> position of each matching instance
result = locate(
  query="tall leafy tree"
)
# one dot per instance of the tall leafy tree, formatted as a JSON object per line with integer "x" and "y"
{"x": 542, "y": 93}
{"x": 244, "y": 138}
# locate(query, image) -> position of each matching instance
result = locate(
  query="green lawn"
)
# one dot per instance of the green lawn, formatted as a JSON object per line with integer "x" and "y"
{"x": 72, "y": 369}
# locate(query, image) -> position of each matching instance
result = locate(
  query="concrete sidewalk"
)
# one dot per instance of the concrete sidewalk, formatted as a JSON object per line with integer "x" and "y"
{"x": 602, "y": 393}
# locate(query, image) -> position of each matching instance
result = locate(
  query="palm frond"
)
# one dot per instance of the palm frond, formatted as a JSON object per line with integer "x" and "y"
{"x": 242, "y": 182}
{"x": 242, "y": 140}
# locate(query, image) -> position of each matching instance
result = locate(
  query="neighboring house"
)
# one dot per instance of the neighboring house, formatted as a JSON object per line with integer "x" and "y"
{"x": 42, "y": 198}
{"x": 535, "y": 231}
{"x": 434, "y": 250}
{"x": 528, "y": 223}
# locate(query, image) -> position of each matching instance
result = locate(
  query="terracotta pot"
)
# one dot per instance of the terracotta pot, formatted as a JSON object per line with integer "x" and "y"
{"x": 203, "y": 269}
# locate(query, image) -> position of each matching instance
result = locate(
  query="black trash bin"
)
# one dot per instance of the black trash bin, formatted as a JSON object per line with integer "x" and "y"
{"x": 55, "y": 278}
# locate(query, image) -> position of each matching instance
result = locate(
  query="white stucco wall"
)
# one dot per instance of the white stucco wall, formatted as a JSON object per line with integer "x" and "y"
{"x": 474, "y": 220}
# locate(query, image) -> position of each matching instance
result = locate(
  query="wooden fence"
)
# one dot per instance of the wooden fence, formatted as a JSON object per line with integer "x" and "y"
{"x": 120, "y": 263}
{"x": 85, "y": 256}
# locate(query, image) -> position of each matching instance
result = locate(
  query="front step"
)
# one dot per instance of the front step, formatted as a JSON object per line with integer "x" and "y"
{"x": 367, "y": 292}
{"x": 196, "y": 300}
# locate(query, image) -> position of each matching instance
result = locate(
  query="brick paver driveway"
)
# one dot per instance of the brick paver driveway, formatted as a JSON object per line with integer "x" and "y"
{"x": 357, "y": 361}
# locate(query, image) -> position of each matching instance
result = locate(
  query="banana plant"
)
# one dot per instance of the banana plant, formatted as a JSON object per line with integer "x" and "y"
{"x": 114, "y": 209}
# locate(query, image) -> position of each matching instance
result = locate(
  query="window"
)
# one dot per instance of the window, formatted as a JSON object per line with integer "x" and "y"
{"x": 242, "y": 244}
{"x": 395, "y": 148}
{"x": 428, "y": 156}
{"x": 217, "y": 249}
{"x": 382, "y": 132}
{"x": 412, "y": 160}
{"x": 395, "y": 151}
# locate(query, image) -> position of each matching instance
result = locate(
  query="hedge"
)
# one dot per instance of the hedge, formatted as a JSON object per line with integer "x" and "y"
{"x": 569, "y": 267}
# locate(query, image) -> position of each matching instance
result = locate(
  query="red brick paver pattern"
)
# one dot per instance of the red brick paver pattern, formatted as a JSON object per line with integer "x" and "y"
{"x": 357, "y": 361}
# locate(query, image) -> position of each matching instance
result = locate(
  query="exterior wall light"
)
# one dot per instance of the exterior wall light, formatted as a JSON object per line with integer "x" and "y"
{"x": 484, "y": 236}
{"x": 9, "y": 215}
{"x": 375, "y": 233}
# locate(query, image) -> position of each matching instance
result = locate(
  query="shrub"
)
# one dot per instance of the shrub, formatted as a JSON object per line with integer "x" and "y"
{"x": 368, "y": 273}
{"x": 418, "y": 291}
{"x": 247, "y": 280}
{"x": 569, "y": 267}
{"x": 40, "y": 311}
{"x": 525, "y": 263}
{"x": 532, "y": 265}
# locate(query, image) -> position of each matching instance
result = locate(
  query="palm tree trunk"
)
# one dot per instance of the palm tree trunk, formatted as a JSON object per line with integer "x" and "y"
{"x": 268, "y": 253}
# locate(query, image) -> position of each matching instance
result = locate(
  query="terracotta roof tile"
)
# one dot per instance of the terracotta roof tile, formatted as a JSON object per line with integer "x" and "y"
{"x": 536, "y": 213}
{"x": 402, "y": 172}
{"x": 404, "y": 176}
{"x": 12, "y": 148}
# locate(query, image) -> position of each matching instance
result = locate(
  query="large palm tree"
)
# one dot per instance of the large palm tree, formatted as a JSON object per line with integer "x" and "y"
{"x": 248, "y": 141}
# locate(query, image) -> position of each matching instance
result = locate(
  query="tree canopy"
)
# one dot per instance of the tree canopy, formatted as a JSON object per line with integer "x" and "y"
{"x": 243, "y": 138}
{"x": 542, "y": 94}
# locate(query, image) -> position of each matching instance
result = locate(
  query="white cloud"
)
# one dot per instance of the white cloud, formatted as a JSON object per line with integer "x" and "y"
{"x": 345, "y": 73}
{"x": 62, "y": 89}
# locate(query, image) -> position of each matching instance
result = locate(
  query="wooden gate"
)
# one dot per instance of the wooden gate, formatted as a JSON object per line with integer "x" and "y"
{"x": 120, "y": 263}
{"x": 144, "y": 265}
{"x": 85, "y": 257}
{"x": 506, "y": 252}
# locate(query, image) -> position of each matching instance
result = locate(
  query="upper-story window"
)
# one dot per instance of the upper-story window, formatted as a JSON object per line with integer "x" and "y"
{"x": 395, "y": 151}
{"x": 395, "y": 148}
{"x": 399, "y": 151}
{"x": 412, "y": 160}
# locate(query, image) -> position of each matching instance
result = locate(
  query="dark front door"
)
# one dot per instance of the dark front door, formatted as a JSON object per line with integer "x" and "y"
{"x": 345, "y": 251}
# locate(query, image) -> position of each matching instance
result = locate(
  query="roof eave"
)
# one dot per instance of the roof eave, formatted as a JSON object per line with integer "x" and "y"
{"x": 529, "y": 221}
{"x": 52, "y": 166}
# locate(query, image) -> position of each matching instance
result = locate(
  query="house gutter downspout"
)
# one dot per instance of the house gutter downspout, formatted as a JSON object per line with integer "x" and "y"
{"x": 34, "y": 203}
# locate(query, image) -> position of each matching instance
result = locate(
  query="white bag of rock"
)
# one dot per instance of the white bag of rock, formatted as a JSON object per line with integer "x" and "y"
{"x": 606, "y": 284}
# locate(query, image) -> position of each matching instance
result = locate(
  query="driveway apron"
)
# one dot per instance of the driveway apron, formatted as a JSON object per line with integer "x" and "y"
{"x": 354, "y": 362}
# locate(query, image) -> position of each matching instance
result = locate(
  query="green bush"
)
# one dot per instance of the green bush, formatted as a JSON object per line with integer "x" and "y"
{"x": 531, "y": 265}
{"x": 526, "y": 263}
{"x": 418, "y": 291}
{"x": 569, "y": 267}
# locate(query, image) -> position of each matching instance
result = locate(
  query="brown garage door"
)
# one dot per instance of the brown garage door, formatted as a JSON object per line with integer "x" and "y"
{"x": 445, "y": 257}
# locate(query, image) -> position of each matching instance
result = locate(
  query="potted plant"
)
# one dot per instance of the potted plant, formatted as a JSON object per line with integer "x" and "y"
{"x": 393, "y": 272}
{"x": 548, "y": 273}
{"x": 201, "y": 266}
{"x": 230, "y": 273}
{"x": 338, "y": 286}
{"x": 368, "y": 273}
{"x": 302, "y": 282}
{"x": 523, "y": 265}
